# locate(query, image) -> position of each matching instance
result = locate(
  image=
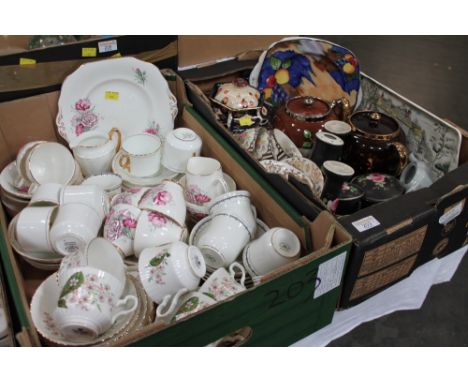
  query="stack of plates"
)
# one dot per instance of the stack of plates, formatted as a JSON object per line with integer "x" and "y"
{"x": 13, "y": 199}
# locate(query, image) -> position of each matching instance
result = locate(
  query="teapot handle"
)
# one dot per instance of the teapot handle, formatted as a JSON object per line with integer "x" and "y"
{"x": 402, "y": 153}
{"x": 345, "y": 108}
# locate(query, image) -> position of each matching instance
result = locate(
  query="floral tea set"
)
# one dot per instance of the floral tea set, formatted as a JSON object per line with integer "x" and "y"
{"x": 118, "y": 241}
{"x": 297, "y": 115}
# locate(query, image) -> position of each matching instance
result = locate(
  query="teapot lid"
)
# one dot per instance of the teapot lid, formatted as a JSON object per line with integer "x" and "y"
{"x": 307, "y": 108}
{"x": 375, "y": 125}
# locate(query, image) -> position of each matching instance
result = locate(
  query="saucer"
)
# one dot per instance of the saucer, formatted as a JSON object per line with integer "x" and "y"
{"x": 7, "y": 178}
{"x": 286, "y": 144}
{"x": 41, "y": 260}
{"x": 311, "y": 171}
{"x": 128, "y": 180}
{"x": 43, "y": 305}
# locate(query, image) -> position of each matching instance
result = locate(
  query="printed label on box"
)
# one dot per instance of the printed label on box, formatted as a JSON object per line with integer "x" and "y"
{"x": 452, "y": 213}
{"x": 27, "y": 61}
{"x": 366, "y": 223}
{"x": 107, "y": 46}
{"x": 329, "y": 274}
{"x": 114, "y": 96}
{"x": 88, "y": 52}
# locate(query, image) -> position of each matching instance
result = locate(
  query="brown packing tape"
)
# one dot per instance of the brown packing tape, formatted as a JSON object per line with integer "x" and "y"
{"x": 41, "y": 75}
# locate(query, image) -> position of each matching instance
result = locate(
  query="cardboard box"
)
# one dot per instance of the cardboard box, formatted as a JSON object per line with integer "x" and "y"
{"x": 37, "y": 71}
{"x": 285, "y": 307}
{"x": 407, "y": 232}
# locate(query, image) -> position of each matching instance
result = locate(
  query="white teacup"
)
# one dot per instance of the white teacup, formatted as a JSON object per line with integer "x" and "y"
{"x": 141, "y": 155}
{"x": 222, "y": 284}
{"x": 180, "y": 145}
{"x": 90, "y": 195}
{"x": 204, "y": 180}
{"x": 223, "y": 240}
{"x": 120, "y": 226}
{"x": 45, "y": 194}
{"x": 88, "y": 305}
{"x": 51, "y": 162}
{"x": 275, "y": 248}
{"x": 74, "y": 227}
{"x": 236, "y": 203}
{"x": 94, "y": 152}
{"x": 154, "y": 229}
{"x": 167, "y": 199}
{"x": 110, "y": 183}
{"x": 99, "y": 254}
{"x": 192, "y": 303}
{"x": 166, "y": 269}
{"x": 22, "y": 159}
{"x": 32, "y": 228}
{"x": 131, "y": 196}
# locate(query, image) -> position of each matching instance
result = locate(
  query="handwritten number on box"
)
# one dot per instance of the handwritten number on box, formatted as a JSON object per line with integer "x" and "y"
{"x": 293, "y": 290}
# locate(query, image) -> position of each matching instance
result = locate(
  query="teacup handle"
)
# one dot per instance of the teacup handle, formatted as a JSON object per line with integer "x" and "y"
{"x": 168, "y": 306}
{"x": 113, "y": 131}
{"x": 254, "y": 211}
{"x": 223, "y": 183}
{"x": 124, "y": 162}
{"x": 232, "y": 272}
{"x": 122, "y": 302}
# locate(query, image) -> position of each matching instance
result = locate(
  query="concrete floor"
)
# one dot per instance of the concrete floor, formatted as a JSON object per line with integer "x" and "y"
{"x": 433, "y": 72}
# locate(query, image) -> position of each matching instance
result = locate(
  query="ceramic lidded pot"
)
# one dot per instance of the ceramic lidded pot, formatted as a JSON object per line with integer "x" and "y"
{"x": 349, "y": 199}
{"x": 301, "y": 117}
{"x": 378, "y": 187}
{"x": 238, "y": 105}
{"x": 376, "y": 144}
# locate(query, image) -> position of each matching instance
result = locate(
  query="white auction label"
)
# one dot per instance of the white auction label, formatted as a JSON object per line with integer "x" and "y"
{"x": 329, "y": 274}
{"x": 366, "y": 223}
{"x": 107, "y": 46}
{"x": 452, "y": 214}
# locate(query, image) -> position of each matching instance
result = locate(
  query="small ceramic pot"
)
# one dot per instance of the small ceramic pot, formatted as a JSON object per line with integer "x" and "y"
{"x": 167, "y": 199}
{"x": 99, "y": 254}
{"x": 51, "y": 162}
{"x": 74, "y": 227}
{"x": 204, "y": 180}
{"x": 339, "y": 128}
{"x": 88, "y": 305}
{"x": 154, "y": 229}
{"x": 238, "y": 105}
{"x": 180, "y": 145}
{"x": 222, "y": 284}
{"x": 140, "y": 155}
{"x": 349, "y": 199}
{"x": 120, "y": 226}
{"x": 275, "y": 248}
{"x": 336, "y": 173}
{"x": 32, "y": 228}
{"x": 416, "y": 175}
{"x": 94, "y": 152}
{"x": 47, "y": 194}
{"x": 378, "y": 187}
{"x": 166, "y": 269}
{"x": 327, "y": 146}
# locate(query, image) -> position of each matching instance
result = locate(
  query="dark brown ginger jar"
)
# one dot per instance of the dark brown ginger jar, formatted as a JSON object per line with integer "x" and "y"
{"x": 376, "y": 144}
{"x": 301, "y": 117}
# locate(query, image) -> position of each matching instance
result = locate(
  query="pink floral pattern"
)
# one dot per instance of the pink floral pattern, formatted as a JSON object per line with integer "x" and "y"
{"x": 196, "y": 196}
{"x": 156, "y": 219}
{"x": 222, "y": 288}
{"x": 377, "y": 178}
{"x": 51, "y": 325}
{"x": 85, "y": 291}
{"x": 157, "y": 267}
{"x": 157, "y": 196}
{"x": 120, "y": 223}
{"x": 153, "y": 128}
{"x": 85, "y": 118}
{"x": 332, "y": 205}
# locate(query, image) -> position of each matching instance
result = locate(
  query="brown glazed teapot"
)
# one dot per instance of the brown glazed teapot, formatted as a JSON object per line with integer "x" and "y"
{"x": 376, "y": 144}
{"x": 301, "y": 117}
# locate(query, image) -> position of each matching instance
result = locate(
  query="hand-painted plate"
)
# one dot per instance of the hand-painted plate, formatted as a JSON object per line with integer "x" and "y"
{"x": 303, "y": 66}
{"x": 126, "y": 93}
